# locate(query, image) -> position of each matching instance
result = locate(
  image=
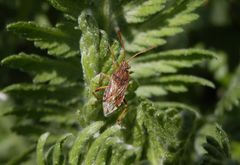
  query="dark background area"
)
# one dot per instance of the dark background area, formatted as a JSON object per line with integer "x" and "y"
{"x": 218, "y": 29}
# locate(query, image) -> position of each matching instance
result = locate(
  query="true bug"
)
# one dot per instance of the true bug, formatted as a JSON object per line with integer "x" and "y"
{"x": 114, "y": 94}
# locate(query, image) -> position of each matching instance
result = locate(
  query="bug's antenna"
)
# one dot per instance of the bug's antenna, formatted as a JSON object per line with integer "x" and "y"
{"x": 121, "y": 40}
{"x": 141, "y": 52}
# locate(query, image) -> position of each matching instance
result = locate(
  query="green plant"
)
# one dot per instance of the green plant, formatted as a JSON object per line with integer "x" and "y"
{"x": 154, "y": 130}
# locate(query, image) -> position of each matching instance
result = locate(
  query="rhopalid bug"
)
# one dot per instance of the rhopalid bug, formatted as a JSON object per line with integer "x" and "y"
{"x": 114, "y": 94}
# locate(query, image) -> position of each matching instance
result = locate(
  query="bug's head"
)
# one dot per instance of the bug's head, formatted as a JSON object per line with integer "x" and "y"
{"x": 125, "y": 66}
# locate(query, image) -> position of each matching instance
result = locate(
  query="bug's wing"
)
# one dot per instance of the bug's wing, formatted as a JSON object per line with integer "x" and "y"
{"x": 108, "y": 108}
{"x": 120, "y": 95}
{"x": 113, "y": 98}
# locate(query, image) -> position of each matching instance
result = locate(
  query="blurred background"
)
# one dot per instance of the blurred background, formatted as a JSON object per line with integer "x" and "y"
{"x": 218, "y": 29}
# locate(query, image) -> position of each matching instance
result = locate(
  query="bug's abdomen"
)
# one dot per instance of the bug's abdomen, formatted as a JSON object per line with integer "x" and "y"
{"x": 113, "y": 97}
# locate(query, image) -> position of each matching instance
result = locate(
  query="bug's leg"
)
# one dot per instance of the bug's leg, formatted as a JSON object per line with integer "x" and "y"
{"x": 100, "y": 88}
{"x": 103, "y": 76}
{"x": 123, "y": 113}
{"x": 121, "y": 40}
{"x": 97, "y": 90}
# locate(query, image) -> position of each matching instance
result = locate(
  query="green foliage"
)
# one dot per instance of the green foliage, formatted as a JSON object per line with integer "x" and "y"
{"x": 172, "y": 83}
{"x": 94, "y": 147}
{"x": 72, "y": 7}
{"x": 166, "y": 64}
{"x": 217, "y": 148}
{"x": 58, "y": 41}
{"x": 45, "y": 69}
{"x": 88, "y": 147}
{"x": 37, "y": 104}
{"x": 163, "y": 124}
{"x": 22, "y": 157}
{"x": 160, "y": 23}
{"x": 231, "y": 97}
{"x": 40, "y": 145}
{"x": 82, "y": 47}
{"x": 227, "y": 109}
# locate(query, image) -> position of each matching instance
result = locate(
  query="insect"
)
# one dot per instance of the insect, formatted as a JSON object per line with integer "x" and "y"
{"x": 114, "y": 94}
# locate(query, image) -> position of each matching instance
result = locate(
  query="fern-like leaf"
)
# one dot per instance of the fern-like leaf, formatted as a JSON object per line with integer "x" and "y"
{"x": 172, "y": 134}
{"x": 169, "y": 83}
{"x": 137, "y": 13}
{"x": 40, "y": 149}
{"x": 166, "y": 65}
{"x": 99, "y": 144}
{"x": 165, "y": 21}
{"x": 174, "y": 105}
{"x": 58, "y": 150}
{"x": 191, "y": 55}
{"x": 23, "y": 157}
{"x": 71, "y": 7}
{"x": 60, "y": 41}
{"x": 231, "y": 97}
{"x": 90, "y": 147}
{"x": 64, "y": 83}
{"x": 34, "y": 104}
{"x": 77, "y": 151}
{"x": 217, "y": 148}
{"x": 169, "y": 61}
{"x": 45, "y": 69}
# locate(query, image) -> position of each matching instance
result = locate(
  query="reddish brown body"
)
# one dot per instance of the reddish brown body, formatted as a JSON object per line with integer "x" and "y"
{"x": 114, "y": 93}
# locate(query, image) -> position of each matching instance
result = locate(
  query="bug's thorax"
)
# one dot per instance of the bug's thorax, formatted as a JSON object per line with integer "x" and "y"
{"x": 121, "y": 75}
